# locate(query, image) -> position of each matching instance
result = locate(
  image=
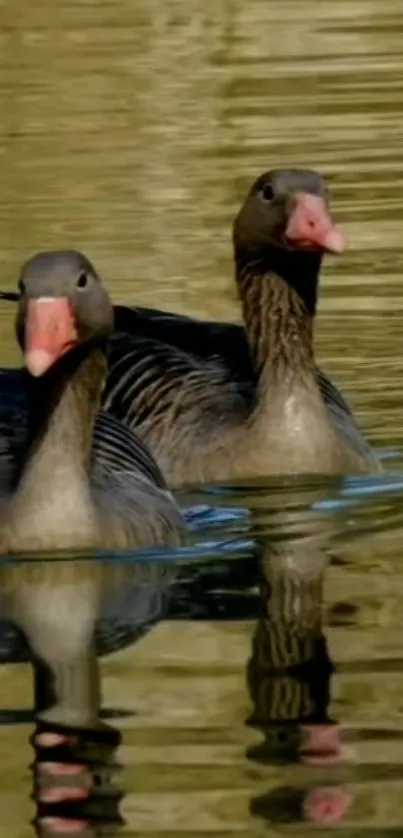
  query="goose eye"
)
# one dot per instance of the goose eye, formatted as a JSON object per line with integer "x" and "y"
{"x": 82, "y": 281}
{"x": 267, "y": 192}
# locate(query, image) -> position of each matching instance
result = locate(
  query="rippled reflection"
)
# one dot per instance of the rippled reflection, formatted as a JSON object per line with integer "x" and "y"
{"x": 76, "y": 782}
{"x": 260, "y": 629}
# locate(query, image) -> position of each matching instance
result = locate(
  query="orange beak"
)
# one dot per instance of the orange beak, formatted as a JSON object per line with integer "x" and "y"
{"x": 49, "y": 332}
{"x": 310, "y": 226}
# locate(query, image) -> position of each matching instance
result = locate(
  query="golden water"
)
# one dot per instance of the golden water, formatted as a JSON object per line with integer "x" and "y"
{"x": 131, "y": 130}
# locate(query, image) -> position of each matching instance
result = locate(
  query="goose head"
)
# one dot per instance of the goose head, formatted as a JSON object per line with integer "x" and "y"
{"x": 62, "y": 305}
{"x": 284, "y": 228}
{"x": 288, "y": 209}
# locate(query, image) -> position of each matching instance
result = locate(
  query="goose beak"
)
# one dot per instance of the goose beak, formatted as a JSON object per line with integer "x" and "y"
{"x": 49, "y": 332}
{"x": 310, "y": 226}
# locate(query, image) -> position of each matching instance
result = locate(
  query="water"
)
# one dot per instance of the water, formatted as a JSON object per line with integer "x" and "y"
{"x": 131, "y": 131}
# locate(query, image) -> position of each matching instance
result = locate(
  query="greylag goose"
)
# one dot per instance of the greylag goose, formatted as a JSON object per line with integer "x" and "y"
{"x": 64, "y": 499}
{"x": 218, "y": 401}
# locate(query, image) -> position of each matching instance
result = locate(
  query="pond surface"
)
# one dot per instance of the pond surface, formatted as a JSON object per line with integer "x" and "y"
{"x": 131, "y": 130}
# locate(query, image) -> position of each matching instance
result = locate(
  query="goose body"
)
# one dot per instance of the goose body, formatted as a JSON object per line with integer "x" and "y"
{"x": 111, "y": 504}
{"x": 201, "y": 426}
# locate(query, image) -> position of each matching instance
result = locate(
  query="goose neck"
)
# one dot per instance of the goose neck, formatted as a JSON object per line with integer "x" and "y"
{"x": 62, "y": 408}
{"x": 278, "y": 297}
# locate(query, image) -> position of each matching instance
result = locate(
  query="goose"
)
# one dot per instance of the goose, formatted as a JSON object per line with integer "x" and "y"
{"x": 59, "y": 496}
{"x": 217, "y": 401}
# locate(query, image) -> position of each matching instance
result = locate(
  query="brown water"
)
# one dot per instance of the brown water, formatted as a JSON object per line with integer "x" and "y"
{"x": 131, "y": 130}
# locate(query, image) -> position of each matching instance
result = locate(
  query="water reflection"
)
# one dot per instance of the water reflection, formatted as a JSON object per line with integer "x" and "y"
{"x": 267, "y": 567}
{"x": 289, "y": 678}
{"x": 55, "y": 607}
{"x": 76, "y": 782}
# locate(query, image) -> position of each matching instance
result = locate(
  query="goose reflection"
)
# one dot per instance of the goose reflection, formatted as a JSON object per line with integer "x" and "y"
{"x": 75, "y": 755}
{"x": 77, "y": 609}
{"x": 289, "y": 679}
{"x": 74, "y": 768}
{"x": 75, "y": 782}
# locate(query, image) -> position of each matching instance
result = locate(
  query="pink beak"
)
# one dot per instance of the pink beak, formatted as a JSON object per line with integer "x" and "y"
{"x": 310, "y": 226}
{"x": 49, "y": 332}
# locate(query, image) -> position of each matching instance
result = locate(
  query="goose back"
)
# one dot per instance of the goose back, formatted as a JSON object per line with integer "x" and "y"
{"x": 193, "y": 384}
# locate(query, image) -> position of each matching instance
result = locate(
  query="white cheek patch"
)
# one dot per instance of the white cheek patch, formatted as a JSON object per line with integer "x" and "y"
{"x": 46, "y": 299}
